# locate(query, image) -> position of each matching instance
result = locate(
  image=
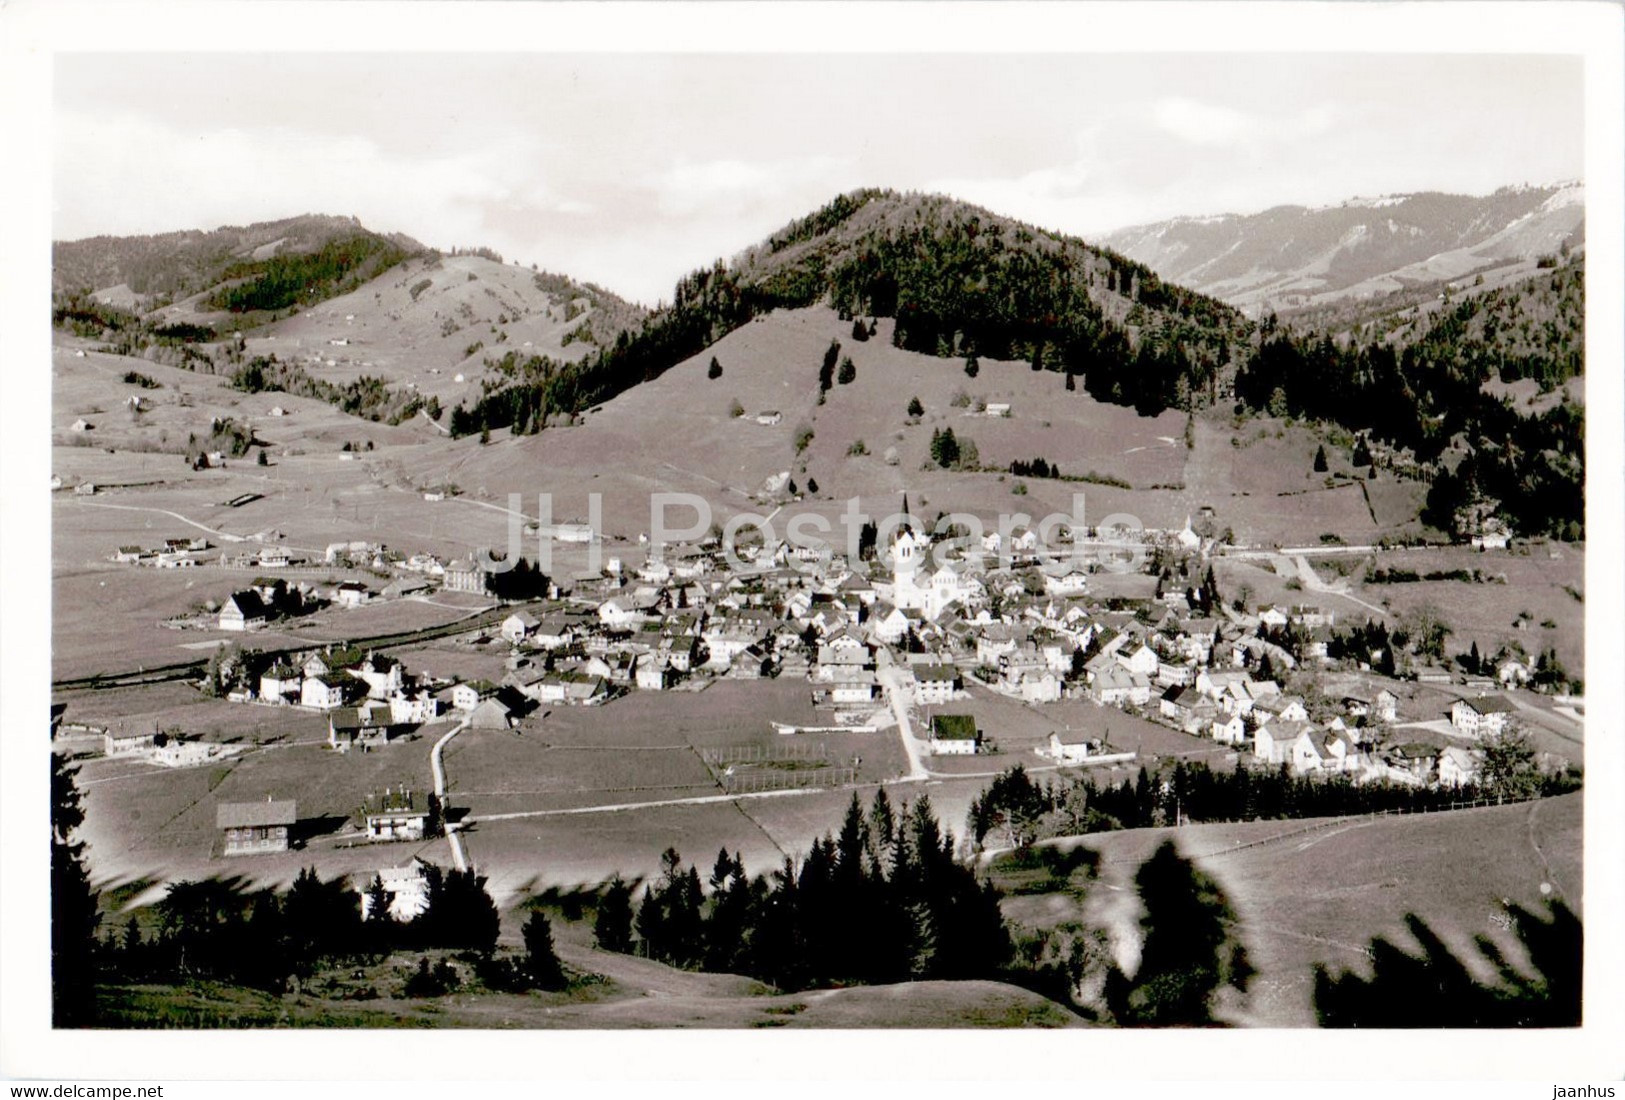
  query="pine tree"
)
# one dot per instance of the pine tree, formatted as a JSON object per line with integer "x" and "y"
{"x": 972, "y": 367}
{"x": 612, "y": 925}
{"x": 848, "y": 372}
{"x": 541, "y": 963}
{"x": 1320, "y": 459}
{"x": 860, "y": 331}
{"x": 812, "y": 485}
{"x": 915, "y": 409}
{"x": 74, "y": 915}
{"x": 1071, "y": 382}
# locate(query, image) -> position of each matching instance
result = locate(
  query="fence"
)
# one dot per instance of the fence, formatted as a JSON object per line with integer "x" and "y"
{"x": 750, "y": 768}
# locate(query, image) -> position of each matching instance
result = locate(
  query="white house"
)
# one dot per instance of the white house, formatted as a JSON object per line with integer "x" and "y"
{"x": 1228, "y": 729}
{"x": 243, "y": 611}
{"x": 351, "y": 594}
{"x": 407, "y": 888}
{"x": 1457, "y": 767}
{"x": 954, "y": 735}
{"x": 323, "y": 693}
{"x": 418, "y": 707}
{"x": 518, "y": 626}
{"x": 467, "y": 696}
{"x": 1476, "y": 717}
{"x": 935, "y": 684}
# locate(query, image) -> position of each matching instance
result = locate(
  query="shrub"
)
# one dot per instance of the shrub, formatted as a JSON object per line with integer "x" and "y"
{"x": 859, "y": 447}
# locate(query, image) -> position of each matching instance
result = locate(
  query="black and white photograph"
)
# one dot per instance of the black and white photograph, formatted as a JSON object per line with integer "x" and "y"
{"x": 842, "y": 517}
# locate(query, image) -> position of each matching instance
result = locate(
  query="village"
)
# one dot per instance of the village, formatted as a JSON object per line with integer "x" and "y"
{"x": 897, "y": 646}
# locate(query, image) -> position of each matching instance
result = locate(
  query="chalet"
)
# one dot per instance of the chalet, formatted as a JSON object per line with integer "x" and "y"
{"x": 1285, "y": 708}
{"x": 954, "y": 735}
{"x": 350, "y": 594}
{"x": 273, "y": 557}
{"x": 252, "y": 827}
{"x": 1476, "y": 717}
{"x": 1039, "y": 686}
{"x": 518, "y": 626}
{"x": 244, "y": 610}
{"x": 361, "y": 726}
{"x": 466, "y": 697}
{"x": 280, "y": 684}
{"x": 1416, "y": 761}
{"x": 407, "y": 888}
{"x": 751, "y": 663}
{"x": 1512, "y": 673}
{"x": 1116, "y": 685}
{"x": 491, "y": 713}
{"x": 852, "y": 686}
{"x": 934, "y": 684}
{"x": 552, "y": 632}
{"x": 321, "y": 692}
{"x": 1062, "y": 752}
{"x": 410, "y": 708}
{"x": 1289, "y": 743}
{"x": 888, "y": 624}
{"x": 384, "y": 676}
{"x": 1339, "y": 751}
{"x": 1139, "y": 660}
{"x": 1073, "y": 581}
{"x": 396, "y": 815}
{"x": 1457, "y": 767}
{"x": 655, "y": 675}
{"x": 1228, "y": 729}
{"x": 128, "y": 744}
{"x": 128, "y": 555}
{"x": 1177, "y": 703}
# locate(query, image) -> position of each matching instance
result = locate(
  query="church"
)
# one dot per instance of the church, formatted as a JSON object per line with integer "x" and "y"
{"x": 918, "y": 587}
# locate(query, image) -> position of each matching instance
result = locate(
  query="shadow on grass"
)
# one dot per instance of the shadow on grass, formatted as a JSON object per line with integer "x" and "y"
{"x": 1436, "y": 989}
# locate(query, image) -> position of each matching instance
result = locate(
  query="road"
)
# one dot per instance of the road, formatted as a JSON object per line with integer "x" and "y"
{"x": 438, "y": 767}
{"x": 898, "y": 697}
{"x": 221, "y": 535}
{"x": 1313, "y": 583}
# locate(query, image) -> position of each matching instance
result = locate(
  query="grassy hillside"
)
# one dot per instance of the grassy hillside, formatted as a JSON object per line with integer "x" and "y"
{"x": 957, "y": 281}
{"x": 1320, "y": 891}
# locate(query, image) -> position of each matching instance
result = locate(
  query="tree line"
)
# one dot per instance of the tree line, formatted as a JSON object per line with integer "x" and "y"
{"x": 1015, "y": 810}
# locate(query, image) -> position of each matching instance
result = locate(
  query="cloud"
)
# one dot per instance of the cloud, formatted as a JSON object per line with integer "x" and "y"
{"x": 688, "y": 188}
{"x": 1213, "y": 124}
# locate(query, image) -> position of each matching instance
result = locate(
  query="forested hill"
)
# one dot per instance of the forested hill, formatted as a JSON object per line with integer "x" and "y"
{"x": 960, "y": 281}
{"x": 1438, "y": 389}
{"x": 268, "y": 258}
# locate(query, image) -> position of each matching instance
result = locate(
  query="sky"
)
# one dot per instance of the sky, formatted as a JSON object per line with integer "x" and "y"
{"x": 631, "y": 169}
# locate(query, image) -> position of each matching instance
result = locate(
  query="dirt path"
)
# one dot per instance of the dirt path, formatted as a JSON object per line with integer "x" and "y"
{"x": 223, "y": 536}
{"x": 437, "y": 765}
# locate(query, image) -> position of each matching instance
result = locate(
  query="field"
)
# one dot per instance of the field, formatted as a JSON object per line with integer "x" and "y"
{"x": 1320, "y": 891}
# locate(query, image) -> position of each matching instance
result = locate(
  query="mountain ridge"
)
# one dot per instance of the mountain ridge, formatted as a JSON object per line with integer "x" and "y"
{"x": 1294, "y": 256}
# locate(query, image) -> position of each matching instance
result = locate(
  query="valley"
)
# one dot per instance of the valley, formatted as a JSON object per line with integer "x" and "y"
{"x": 273, "y": 591}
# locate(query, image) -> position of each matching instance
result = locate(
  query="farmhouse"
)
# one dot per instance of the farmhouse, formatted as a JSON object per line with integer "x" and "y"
{"x": 253, "y": 827}
{"x": 350, "y": 594}
{"x": 127, "y": 744}
{"x": 518, "y": 626}
{"x": 401, "y": 814}
{"x": 490, "y": 714}
{"x": 954, "y": 735}
{"x": 1476, "y": 717}
{"x": 243, "y": 610}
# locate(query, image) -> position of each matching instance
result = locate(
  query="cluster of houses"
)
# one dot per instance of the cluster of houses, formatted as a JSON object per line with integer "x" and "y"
{"x": 919, "y": 627}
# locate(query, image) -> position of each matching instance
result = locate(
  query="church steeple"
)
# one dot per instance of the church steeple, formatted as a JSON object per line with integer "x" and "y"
{"x": 908, "y": 520}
